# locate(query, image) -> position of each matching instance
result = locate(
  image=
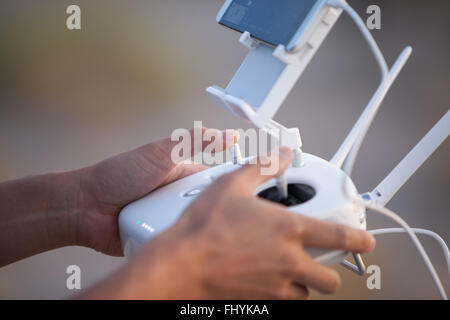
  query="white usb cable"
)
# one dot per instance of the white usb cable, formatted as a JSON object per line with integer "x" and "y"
{"x": 429, "y": 233}
{"x": 390, "y": 214}
{"x": 388, "y": 77}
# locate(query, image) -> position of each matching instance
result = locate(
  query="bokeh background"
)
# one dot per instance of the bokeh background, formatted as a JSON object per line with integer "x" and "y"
{"x": 138, "y": 69}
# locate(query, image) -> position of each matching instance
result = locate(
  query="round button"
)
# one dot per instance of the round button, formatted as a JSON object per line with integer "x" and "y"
{"x": 194, "y": 192}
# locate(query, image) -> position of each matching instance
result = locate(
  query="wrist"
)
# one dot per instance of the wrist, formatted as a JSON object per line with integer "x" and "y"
{"x": 61, "y": 201}
{"x": 39, "y": 212}
{"x": 62, "y": 207}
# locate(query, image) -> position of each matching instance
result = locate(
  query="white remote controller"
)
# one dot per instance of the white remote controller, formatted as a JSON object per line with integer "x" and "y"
{"x": 315, "y": 190}
{"x": 255, "y": 93}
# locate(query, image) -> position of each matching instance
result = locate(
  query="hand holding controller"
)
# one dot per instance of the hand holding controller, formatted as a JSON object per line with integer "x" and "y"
{"x": 233, "y": 244}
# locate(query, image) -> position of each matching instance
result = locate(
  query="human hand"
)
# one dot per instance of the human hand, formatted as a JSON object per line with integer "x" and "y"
{"x": 229, "y": 244}
{"x": 108, "y": 186}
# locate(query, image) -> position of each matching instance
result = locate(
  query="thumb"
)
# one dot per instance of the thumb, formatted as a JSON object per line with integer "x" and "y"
{"x": 266, "y": 168}
{"x": 190, "y": 143}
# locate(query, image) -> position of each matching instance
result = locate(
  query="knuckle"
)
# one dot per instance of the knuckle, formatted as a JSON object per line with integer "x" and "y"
{"x": 295, "y": 230}
{"x": 288, "y": 226}
{"x": 342, "y": 236}
{"x": 299, "y": 226}
{"x": 283, "y": 226}
{"x": 368, "y": 242}
{"x": 292, "y": 268}
{"x": 300, "y": 272}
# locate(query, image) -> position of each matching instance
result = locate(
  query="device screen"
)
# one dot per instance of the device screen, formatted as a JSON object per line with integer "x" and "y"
{"x": 272, "y": 21}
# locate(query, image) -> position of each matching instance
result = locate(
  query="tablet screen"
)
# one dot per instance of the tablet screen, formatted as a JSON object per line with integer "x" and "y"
{"x": 272, "y": 21}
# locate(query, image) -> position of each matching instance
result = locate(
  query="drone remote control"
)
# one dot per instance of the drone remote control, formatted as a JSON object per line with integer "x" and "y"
{"x": 315, "y": 190}
{"x": 315, "y": 187}
{"x": 255, "y": 93}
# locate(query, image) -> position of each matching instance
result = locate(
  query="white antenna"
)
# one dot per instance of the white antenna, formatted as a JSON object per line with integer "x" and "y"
{"x": 366, "y": 118}
{"x": 359, "y": 130}
{"x": 415, "y": 158}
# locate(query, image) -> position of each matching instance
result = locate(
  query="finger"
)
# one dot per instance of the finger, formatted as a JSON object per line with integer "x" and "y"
{"x": 185, "y": 144}
{"x": 264, "y": 169}
{"x": 323, "y": 234}
{"x": 319, "y": 233}
{"x": 183, "y": 170}
{"x": 317, "y": 276}
{"x": 297, "y": 291}
{"x": 216, "y": 141}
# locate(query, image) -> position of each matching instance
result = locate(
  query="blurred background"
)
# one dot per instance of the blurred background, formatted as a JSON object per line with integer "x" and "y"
{"x": 138, "y": 69}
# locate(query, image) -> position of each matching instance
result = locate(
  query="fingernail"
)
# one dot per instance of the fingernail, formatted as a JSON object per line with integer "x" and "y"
{"x": 231, "y": 135}
{"x": 284, "y": 152}
{"x": 372, "y": 243}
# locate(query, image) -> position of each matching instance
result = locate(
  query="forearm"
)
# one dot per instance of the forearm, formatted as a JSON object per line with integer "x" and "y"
{"x": 37, "y": 214}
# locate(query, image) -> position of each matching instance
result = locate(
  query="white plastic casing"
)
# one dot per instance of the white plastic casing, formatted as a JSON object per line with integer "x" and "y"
{"x": 144, "y": 219}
